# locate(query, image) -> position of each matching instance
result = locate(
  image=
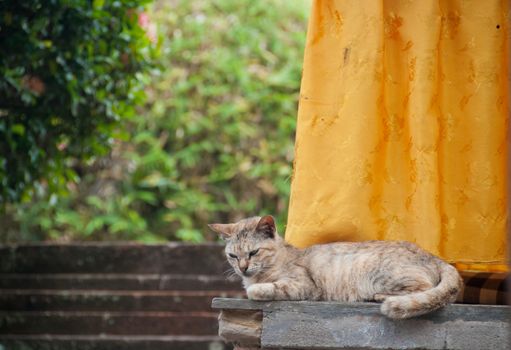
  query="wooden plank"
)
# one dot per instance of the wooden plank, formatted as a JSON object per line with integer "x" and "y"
{"x": 331, "y": 325}
{"x": 242, "y": 304}
{"x": 240, "y": 326}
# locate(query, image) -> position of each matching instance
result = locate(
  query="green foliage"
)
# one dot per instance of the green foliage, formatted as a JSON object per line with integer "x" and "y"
{"x": 68, "y": 74}
{"x": 214, "y": 141}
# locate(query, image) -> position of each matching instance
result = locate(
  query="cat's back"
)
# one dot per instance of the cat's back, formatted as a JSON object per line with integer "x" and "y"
{"x": 346, "y": 270}
{"x": 365, "y": 247}
{"x": 344, "y": 255}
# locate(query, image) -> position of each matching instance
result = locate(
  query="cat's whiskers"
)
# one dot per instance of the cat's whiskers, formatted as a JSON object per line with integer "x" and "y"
{"x": 230, "y": 272}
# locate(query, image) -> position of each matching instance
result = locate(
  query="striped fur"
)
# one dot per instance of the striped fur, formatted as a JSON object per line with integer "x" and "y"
{"x": 406, "y": 279}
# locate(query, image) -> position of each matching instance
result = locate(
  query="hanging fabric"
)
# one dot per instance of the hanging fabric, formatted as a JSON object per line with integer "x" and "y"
{"x": 403, "y": 128}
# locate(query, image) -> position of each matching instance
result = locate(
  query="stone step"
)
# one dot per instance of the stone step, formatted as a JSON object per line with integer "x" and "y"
{"x": 109, "y": 300}
{"x": 114, "y": 281}
{"x": 175, "y": 258}
{"x": 81, "y": 342}
{"x": 109, "y": 323}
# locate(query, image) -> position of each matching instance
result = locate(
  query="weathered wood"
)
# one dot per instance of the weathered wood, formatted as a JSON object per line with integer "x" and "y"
{"x": 330, "y": 325}
{"x": 244, "y": 304}
{"x": 240, "y": 326}
{"x": 335, "y": 327}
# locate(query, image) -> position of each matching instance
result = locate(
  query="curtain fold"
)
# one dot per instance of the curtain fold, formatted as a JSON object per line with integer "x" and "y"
{"x": 403, "y": 127}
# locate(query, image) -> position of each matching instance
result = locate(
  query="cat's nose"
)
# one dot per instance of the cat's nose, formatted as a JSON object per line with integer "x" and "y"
{"x": 243, "y": 266}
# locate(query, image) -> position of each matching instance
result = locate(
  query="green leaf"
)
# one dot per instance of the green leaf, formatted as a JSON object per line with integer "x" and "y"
{"x": 98, "y": 4}
{"x": 93, "y": 225}
{"x": 18, "y": 129}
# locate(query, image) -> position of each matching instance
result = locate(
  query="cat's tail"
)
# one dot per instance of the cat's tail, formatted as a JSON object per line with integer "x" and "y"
{"x": 419, "y": 303}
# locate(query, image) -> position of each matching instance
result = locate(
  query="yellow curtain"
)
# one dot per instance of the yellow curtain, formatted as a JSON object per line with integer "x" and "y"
{"x": 402, "y": 127}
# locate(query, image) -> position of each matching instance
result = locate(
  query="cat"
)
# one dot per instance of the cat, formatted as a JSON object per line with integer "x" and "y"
{"x": 406, "y": 279}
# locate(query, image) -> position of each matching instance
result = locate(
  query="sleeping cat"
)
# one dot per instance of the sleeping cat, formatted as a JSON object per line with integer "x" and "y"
{"x": 408, "y": 280}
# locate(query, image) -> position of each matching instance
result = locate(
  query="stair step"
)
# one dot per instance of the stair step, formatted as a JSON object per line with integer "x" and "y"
{"x": 177, "y": 258}
{"x": 113, "y": 323}
{"x": 118, "y": 281}
{"x": 109, "y": 342}
{"x": 108, "y": 300}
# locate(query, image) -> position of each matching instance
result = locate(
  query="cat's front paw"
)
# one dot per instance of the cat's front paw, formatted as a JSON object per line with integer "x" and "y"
{"x": 261, "y": 291}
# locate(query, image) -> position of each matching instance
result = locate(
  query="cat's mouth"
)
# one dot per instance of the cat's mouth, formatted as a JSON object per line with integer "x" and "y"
{"x": 248, "y": 273}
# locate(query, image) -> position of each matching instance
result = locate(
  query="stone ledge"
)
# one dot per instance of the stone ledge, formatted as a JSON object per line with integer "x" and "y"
{"x": 331, "y": 325}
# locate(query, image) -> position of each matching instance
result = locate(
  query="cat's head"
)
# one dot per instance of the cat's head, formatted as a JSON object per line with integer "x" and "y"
{"x": 251, "y": 244}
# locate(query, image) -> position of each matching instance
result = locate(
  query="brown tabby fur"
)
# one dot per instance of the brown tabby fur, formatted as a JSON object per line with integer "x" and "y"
{"x": 408, "y": 280}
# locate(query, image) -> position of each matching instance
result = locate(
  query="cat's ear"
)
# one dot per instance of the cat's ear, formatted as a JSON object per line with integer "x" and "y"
{"x": 224, "y": 230}
{"x": 266, "y": 226}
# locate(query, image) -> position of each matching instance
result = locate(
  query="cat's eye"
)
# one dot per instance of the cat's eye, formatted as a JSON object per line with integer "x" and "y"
{"x": 253, "y": 252}
{"x": 233, "y": 256}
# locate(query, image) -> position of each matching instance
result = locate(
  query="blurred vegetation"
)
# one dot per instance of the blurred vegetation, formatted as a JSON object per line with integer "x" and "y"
{"x": 68, "y": 74}
{"x": 212, "y": 143}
